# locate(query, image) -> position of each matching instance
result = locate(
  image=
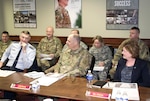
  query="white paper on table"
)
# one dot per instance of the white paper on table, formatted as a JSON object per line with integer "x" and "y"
{"x": 98, "y": 68}
{"x": 48, "y": 79}
{"x": 5, "y": 73}
{"x": 130, "y": 88}
{"x": 110, "y": 85}
{"x": 34, "y": 74}
{"x": 44, "y": 81}
{"x": 55, "y": 75}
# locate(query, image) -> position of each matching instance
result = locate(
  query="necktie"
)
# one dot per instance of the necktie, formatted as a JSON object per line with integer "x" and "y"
{"x": 16, "y": 60}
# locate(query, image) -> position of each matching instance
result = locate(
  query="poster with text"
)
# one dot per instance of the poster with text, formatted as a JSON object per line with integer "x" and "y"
{"x": 68, "y": 14}
{"x": 24, "y": 13}
{"x": 121, "y": 14}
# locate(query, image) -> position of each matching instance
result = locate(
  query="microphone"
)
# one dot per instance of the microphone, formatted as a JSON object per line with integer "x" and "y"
{"x": 134, "y": 67}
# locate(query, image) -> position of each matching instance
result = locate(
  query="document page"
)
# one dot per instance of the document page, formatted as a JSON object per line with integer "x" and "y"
{"x": 98, "y": 68}
{"x": 110, "y": 85}
{"x": 48, "y": 79}
{"x": 5, "y": 73}
{"x": 45, "y": 57}
{"x": 34, "y": 74}
{"x": 131, "y": 89}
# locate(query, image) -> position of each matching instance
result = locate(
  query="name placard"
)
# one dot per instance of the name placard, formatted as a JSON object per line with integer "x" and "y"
{"x": 20, "y": 86}
{"x": 98, "y": 94}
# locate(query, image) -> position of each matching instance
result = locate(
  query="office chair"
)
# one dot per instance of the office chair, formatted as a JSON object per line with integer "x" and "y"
{"x": 92, "y": 63}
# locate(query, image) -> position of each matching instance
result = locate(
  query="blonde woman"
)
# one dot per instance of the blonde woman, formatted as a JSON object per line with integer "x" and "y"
{"x": 103, "y": 57}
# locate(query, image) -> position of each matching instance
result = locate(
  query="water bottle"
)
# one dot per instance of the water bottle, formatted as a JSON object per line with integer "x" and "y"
{"x": 89, "y": 77}
{"x": 124, "y": 96}
{"x": 118, "y": 96}
{"x": 35, "y": 86}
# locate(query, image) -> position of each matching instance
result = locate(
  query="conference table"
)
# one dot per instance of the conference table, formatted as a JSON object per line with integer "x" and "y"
{"x": 63, "y": 88}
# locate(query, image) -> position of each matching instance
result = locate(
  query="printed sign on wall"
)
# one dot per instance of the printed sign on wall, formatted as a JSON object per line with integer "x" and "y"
{"x": 121, "y": 14}
{"x": 68, "y": 14}
{"x": 24, "y": 13}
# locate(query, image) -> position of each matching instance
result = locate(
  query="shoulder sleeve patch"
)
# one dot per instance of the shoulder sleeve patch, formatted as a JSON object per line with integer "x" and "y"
{"x": 31, "y": 47}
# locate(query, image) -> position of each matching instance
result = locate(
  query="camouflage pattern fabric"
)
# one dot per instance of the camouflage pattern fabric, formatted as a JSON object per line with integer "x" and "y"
{"x": 53, "y": 46}
{"x": 62, "y": 18}
{"x": 143, "y": 54}
{"x": 73, "y": 62}
{"x": 102, "y": 54}
{"x": 3, "y": 47}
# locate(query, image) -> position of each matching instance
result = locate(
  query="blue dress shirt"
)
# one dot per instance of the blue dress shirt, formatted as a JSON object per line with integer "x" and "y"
{"x": 25, "y": 59}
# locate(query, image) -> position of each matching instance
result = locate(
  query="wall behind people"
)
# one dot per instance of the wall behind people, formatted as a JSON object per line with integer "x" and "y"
{"x": 1, "y": 17}
{"x": 93, "y": 19}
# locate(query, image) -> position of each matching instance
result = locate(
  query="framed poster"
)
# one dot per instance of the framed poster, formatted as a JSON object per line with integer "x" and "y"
{"x": 121, "y": 14}
{"x": 68, "y": 14}
{"x": 24, "y": 13}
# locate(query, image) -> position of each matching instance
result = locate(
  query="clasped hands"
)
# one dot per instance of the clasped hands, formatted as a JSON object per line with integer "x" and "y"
{"x": 23, "y": 45}
{"x": 101, "y": 63}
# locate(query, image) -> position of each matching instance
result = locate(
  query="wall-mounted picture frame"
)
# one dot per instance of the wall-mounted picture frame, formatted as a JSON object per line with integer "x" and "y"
{"x": 68, "y": 14}
{"x": 24, "y": 13}
{"x": 121, "y": 14}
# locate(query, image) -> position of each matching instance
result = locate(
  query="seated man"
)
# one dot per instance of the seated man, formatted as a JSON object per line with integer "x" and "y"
{"x": 75, "y": 60}
{"x": 49, "y": 47}
{"x": 4, "y": 43}
{"x": 82, "y": 44}
{"x": 20, "y": 55}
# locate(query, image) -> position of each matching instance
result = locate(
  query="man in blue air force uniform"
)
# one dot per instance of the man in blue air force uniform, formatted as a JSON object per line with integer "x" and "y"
{"x": 20, "y": 55}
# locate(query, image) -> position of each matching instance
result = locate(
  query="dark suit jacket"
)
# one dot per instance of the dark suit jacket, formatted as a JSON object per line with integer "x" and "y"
{"x": 140, "y": 73}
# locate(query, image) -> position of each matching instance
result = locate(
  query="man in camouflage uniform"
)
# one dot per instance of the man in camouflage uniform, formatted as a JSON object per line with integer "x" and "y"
{"x": 75, "y": 60}
{"x": 4, "y": 43}
{"x": 62, "y": 15}
{"x": 50, "y": 46}
{"x": 82, "y": 44}
{"x": 143, "y": 53}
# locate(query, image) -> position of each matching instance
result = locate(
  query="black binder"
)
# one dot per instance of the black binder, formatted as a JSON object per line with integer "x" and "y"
{"x": 99, "y": 84}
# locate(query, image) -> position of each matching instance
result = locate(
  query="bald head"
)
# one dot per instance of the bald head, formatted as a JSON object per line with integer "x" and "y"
{"x": 73, "y": 41}
{"x": 49, "y": 32}
{"x": 75, "y": 31}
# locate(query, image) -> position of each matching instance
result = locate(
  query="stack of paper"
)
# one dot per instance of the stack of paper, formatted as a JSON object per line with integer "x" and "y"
{"x": 130, "y": 88}
{"x": 34, "y": 74}
{"x": 48, "y": 79}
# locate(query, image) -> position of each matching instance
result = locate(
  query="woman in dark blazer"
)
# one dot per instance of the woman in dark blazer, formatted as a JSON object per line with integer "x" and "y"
{"x": 130, "y": 68}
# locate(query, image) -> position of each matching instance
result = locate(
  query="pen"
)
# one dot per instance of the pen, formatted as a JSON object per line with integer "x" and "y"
{"x": 17, "y": 82}
{"x": 64, "y": 78}
{"x": 108, "y": 84}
